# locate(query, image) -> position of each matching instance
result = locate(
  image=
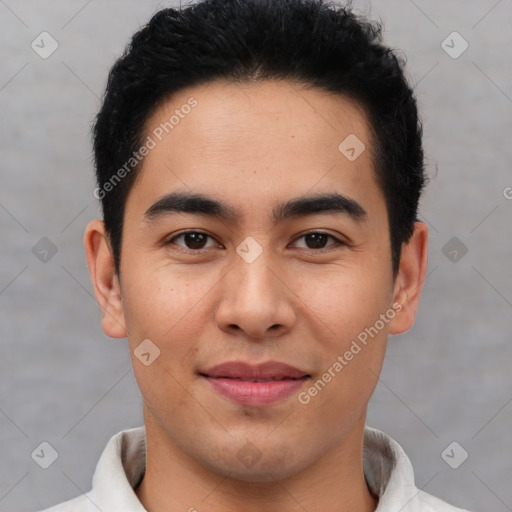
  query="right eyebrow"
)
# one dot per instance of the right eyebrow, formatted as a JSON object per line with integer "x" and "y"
{"x": 185, "y": 202}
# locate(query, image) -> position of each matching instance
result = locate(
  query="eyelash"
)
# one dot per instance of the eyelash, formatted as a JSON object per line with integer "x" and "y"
{"x": 337, "y": 243}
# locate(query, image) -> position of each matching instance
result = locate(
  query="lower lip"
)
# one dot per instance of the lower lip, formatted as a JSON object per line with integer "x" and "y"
{"x": 256, "y": 393}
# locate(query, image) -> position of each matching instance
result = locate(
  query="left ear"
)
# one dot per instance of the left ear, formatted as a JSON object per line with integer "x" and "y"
{"x": 410, "y": 278}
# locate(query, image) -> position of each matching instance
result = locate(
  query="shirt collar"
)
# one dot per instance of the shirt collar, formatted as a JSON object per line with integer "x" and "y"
{"x": 119, "y": 471}
{"x": 388, "y": 471}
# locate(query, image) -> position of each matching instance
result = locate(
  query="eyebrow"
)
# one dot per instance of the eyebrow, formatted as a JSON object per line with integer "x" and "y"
{"x": 200, "y": 204}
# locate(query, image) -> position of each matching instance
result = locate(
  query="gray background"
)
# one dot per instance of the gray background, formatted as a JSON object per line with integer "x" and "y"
{"x": 63, "y": 381}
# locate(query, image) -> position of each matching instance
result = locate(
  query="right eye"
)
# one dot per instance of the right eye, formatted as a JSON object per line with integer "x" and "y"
{"x": 194, "y": 241}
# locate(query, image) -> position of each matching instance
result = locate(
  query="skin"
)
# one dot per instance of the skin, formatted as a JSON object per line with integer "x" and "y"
{"x": 255, "y": 146}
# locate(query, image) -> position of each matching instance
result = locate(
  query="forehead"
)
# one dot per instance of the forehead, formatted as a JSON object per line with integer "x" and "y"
{"x": 244, "y": 142}
{"x": 228, "y": 115}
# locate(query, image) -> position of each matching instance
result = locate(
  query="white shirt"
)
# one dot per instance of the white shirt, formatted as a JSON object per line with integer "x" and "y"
{"x": 121, "y": 467}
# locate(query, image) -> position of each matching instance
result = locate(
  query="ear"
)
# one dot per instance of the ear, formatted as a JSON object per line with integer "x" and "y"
{"x": 409, "y": 280}
{"x": 104, "y": 279}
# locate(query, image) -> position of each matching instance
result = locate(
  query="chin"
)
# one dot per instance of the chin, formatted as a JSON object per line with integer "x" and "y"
{"x": 260, "y": 475}
{"x": 259, "y": 470}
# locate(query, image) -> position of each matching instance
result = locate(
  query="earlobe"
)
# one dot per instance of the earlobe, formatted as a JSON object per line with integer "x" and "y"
{"x": 410, "y": 278}
{"x": 104, "y": 279}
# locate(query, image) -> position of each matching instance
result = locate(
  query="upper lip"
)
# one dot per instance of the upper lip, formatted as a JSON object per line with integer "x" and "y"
{"x": 266, "y": 370}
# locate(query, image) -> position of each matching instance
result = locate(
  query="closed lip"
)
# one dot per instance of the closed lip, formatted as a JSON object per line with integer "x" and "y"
{"x": 274, "y": 370}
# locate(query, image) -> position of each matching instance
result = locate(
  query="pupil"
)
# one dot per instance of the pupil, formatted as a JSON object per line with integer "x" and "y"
{"x": 317, "y": 239}
{"x": 194, "y": 240}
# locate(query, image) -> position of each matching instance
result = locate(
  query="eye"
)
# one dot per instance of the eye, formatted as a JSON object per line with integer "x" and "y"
{"x": 317, "y": 240}
{"x": 194, "y": 240}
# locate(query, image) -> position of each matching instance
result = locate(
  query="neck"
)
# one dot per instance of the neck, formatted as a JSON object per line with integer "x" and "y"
{"x": 174, "y": 481}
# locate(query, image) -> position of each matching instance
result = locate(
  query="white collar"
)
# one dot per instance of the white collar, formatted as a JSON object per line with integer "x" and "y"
{"x": 387, "y": 469}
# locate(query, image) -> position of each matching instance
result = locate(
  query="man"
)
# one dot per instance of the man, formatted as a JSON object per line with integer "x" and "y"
{"x": 259, "y": 165}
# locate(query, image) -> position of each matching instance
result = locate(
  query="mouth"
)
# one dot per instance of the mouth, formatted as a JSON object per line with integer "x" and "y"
{"x": 269, "y": 370}
{"x": 255, "y": 385}
{"x": 271, "y": 379}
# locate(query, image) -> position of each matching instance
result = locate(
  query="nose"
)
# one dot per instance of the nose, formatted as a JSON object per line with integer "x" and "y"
{"x": 256, "y": 299}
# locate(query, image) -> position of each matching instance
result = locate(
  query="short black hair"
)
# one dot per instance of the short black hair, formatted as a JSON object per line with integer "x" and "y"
{"x": 311, "y": 42}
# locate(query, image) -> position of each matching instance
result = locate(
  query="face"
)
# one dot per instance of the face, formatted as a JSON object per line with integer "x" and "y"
{"x": 262, "y": 282}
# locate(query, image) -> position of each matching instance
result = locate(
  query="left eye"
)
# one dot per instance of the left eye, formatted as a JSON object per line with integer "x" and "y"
{"x": 195, "y": 240}
{"x": 318, "y": 240}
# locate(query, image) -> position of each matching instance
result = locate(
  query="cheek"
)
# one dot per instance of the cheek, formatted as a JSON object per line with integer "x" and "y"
{"x": 157, "y": 303}
{"x": 167, "y": 318}
{"x": 349, "y": 310}
{"x": 152, "y": 312}
{"x": 344, "y": 302}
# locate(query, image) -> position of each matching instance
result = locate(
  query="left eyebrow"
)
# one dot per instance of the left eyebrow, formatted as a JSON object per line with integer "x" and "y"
{"x": 320, "y": 203}
{"x": 200, "y": 204}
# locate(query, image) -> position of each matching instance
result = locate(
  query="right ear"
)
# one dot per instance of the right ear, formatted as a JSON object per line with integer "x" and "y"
{"x": 104, "y": 279}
